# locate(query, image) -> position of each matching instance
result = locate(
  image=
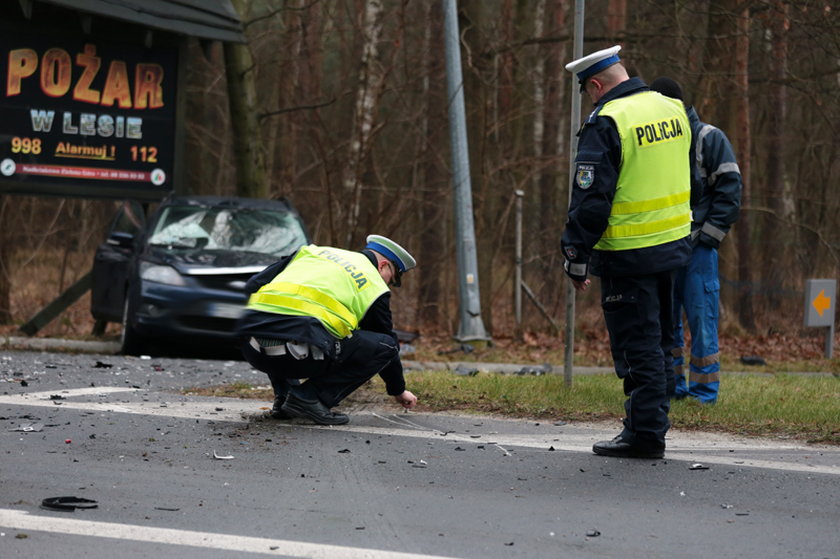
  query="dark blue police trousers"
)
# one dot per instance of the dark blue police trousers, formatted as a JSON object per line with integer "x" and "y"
{"x": 358, "y": 358}
{"x": 638, "y": 311}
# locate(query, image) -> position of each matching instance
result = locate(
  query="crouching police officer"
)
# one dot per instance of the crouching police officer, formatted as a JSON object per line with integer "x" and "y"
{"x": 323, "y": 314}
{"x": 629, "y": 220}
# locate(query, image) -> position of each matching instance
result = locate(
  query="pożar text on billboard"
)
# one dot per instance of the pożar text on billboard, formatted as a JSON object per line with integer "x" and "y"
{"x": 83, "y": 117}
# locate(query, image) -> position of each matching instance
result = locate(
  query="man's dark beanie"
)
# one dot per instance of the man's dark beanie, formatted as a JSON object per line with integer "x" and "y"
{"x": 667, "y": 87}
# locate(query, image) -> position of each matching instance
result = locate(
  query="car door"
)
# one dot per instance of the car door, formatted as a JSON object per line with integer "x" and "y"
{"x": 112, "y": 262}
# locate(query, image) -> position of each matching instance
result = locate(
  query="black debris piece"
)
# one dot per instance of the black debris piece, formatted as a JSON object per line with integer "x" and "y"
{"x": 344, "y": 451}
{"x": 752, "y": 360}
{"x": 593, "y": 534}
{"x": 101, "y": 365}
{"x": 68, "y": 504}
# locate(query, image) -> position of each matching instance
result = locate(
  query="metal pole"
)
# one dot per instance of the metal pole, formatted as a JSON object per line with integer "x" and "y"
{"x": 574, "y": 127}
{"x": 517, "y": 297}
{"x": 471, "y": 327}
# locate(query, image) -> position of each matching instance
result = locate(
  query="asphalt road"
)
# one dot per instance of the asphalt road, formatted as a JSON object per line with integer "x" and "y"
{"x": 183, "y": 476}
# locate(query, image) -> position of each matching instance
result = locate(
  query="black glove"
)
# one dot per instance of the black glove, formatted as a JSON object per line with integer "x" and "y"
{"x": 576, "y": 270}
{"x": 575, "y": 266}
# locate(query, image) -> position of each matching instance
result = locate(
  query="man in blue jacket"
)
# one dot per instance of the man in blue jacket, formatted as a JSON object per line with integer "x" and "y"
{"x": 715, "y": 203}
{"x": 629, "y": 221}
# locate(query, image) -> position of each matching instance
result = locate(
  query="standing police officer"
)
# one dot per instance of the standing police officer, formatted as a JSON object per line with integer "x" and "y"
{"x": 629, "y": 222}
{"x": 715, "y": 202}
{"x": 324, "y": 314}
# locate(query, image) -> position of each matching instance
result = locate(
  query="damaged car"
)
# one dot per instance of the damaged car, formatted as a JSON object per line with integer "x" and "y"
{"x": 176, "y": 280}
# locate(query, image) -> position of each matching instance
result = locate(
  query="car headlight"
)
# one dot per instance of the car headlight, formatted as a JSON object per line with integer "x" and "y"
{"x": 161, "y": 274}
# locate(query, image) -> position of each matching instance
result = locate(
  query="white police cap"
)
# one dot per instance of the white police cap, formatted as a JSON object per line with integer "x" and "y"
{"x": 392, "y": 251}
{"x": 591, "y": 64}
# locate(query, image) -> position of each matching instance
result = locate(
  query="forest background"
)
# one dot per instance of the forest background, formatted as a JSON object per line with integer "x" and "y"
{"x": 345, "y": 109}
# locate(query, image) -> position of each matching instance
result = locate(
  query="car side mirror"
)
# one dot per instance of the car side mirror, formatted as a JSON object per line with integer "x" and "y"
{"x": 121, "y": 239}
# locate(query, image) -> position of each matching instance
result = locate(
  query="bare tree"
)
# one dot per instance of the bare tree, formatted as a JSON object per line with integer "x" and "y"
{"x": 367, "y": 93}
{"x": 778, "y": 229}
{"x": 743, "y": 147}
{"x": 428, "y": 173}
{"x": 248, "y": 148}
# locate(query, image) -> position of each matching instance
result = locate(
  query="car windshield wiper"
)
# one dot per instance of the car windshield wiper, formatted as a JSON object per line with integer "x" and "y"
{"x": 184, "y": 242}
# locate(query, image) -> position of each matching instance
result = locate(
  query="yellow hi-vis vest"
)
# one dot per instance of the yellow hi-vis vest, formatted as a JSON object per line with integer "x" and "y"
{"x": 652, "y": 197}
{"x": 335, "y": 286}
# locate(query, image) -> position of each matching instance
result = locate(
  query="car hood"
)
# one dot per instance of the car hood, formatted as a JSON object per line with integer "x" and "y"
{"x": 197, "y": 261}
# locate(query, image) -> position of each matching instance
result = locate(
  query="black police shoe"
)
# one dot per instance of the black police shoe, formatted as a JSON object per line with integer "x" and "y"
{"x": 623, "y": 449}
{"x": 277, "y": 409}
{"x": 315, "y": 410}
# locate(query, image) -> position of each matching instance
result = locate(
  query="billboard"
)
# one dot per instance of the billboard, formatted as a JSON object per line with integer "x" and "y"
{"x": 86, "y": 117}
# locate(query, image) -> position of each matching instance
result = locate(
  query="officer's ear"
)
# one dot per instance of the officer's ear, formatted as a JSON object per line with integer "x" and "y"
{"x": 594, "y": 85}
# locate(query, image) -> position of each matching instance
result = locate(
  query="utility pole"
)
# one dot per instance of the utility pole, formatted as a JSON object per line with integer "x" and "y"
{"x": 574, "y": 126}
{"x": 471, "y": 328}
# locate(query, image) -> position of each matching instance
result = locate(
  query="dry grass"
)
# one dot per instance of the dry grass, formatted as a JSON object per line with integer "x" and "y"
{"x": 38, "y": 282}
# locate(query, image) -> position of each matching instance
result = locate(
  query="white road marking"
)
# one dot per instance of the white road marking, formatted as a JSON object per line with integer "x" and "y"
{"x": 22, "y": 520}
{"x": 681, "y": 446}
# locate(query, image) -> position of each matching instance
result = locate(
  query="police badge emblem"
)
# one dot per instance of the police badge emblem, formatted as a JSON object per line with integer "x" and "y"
{"x": 585, "y": 175}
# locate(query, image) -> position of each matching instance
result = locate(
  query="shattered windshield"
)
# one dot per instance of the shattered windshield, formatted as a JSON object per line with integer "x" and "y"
{"x": 235, "y": 229}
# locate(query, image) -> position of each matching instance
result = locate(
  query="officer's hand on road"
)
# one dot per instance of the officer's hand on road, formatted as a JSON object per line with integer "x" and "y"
{"x": 406, "y": 399}
{"x": 581, "y": 285}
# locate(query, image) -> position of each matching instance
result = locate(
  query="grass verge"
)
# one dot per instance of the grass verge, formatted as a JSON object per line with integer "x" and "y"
{"x": 803, "y": 407}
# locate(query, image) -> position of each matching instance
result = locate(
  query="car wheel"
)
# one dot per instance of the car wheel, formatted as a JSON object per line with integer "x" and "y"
{"x": 132, "y": 343}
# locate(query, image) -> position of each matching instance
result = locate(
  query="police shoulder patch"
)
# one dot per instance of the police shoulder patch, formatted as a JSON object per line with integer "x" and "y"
{"x": 585, "y": 175}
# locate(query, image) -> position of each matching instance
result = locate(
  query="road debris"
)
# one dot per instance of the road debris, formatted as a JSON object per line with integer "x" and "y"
{"x": 68, "y": 504}
{"x": 465, "y": 371}
{"x": 29, "y": 427}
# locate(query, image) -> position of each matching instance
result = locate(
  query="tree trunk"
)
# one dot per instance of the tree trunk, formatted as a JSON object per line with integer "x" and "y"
{"x": 370, "y": 78}
{"x": 248, "y": 149}
{"x": 552, "y": 179}
{"x": 616, "y": 18}
{"x": 743, "y": 149}
{"x": 433, "y": 227}
{"x": 779, "y": 231}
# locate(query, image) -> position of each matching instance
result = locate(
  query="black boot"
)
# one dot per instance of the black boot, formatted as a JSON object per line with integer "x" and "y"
{"x": 315, "y": 410}
{"x": 277, "y": 409}
{"x": 624, "y": 449}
